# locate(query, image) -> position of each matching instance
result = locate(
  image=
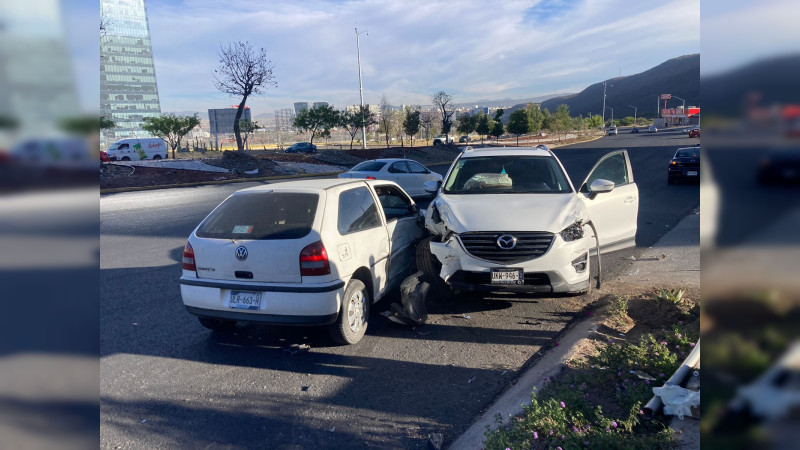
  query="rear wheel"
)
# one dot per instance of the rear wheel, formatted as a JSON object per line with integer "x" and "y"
{"x": 353, "y": 315}
{"x": 217, "y": 324}
{"x": 125, "y": 158}
{"x": 157, "y": 157}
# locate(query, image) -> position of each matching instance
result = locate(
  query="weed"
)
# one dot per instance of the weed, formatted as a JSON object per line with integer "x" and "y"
{"x": 619, "y": 311}
{"x": 673, "y": 296}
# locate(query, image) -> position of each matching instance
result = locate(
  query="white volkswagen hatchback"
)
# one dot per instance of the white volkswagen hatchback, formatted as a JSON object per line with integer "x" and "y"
{"x": 511, "y": 219}
{"x": 312, "y": 252}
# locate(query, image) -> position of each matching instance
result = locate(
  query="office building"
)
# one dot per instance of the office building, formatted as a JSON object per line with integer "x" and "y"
{"x": 299, "y": 106}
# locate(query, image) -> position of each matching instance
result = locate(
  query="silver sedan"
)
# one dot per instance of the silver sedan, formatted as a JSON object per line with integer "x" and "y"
{"x": 409, "y": 174}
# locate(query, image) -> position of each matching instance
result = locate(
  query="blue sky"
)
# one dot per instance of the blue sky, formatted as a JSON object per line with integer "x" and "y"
{"x": 471, "y": 49}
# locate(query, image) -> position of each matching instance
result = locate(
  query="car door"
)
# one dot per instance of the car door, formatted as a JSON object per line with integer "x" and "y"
{"x": 614, "y": 214}
{"x": 419, "y": 175}
{"x": 364, "y": 239}
{"x": 401, "y": 174}
{"x": 400, "y": 214}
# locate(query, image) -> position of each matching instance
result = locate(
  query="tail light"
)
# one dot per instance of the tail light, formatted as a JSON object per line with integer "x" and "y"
{"x": 188, "y": 258}
{"x": 314, "y": 260}
{"x": 371, "y": 178}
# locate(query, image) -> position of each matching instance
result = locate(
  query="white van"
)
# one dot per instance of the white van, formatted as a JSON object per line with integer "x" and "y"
{"x": 134, "y": 149}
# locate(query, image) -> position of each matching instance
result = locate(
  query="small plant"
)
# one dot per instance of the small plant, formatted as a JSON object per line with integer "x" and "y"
{"x": 619, "y": 311}
{"x": 673, "y": 296}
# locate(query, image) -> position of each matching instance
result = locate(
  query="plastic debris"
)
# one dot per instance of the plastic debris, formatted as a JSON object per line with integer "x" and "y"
{"x": 470, "y": 380}
{"x": 332, "y": 429}
{"x": 297, "y": 349}
{"x": 678, "y": 401}
{"x": 643, "y": 375}
{"x": 305, "y": 388}
{"x": 145, "y": 420}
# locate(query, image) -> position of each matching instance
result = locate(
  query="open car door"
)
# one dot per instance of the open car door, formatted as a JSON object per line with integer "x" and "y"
{"x": 612, "y": 200}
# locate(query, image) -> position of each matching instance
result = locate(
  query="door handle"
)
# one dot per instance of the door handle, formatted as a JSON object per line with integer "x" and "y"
{"x": 629, "y": 200}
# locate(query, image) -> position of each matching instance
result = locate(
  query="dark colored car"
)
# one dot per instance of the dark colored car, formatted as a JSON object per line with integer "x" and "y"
{"x": 694, "y": 132}
{"x": 780, "y": 166}
{"x": 635, "y": 130}
{"x": 464, "y": 139}
{"x": 685, "y": 165}
{"x": 302, "y": 147}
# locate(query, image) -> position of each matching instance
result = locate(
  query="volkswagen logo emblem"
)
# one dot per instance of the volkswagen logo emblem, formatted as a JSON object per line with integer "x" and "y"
{"x": 241, "y": 253}
{"x": 506, "y": 242}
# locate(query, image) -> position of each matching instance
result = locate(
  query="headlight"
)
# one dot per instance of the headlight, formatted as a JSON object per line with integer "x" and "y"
{"x": 572, "y": 232}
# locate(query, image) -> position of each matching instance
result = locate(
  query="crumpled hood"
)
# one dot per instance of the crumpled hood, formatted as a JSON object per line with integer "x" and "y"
{"x": 509, "y": 212}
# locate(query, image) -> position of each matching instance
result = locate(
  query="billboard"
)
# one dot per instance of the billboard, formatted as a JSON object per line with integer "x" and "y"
{"x": 666, "y": 96}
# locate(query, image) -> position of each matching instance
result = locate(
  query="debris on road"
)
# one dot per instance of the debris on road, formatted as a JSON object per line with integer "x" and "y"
{"x": 297, "y": 349}
{"x": 471, "y": 380}
{"x": 332, "y": 429}
{"x": 643, "y": 375}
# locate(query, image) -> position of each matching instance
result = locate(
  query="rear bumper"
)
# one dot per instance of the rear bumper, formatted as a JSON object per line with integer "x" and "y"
{"x": 683, "y": 172}
{"x": 290, "y": 304}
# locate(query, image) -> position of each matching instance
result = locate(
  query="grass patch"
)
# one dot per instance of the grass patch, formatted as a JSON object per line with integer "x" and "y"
{"x": 596, "y": 401}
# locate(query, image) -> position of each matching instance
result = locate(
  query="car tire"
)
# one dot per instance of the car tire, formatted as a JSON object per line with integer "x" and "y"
{"x": 426, "y": 262}
{"x": 221, "y": 325}
{"x": 125, "y": 158}
{"x": 156, "y": 157}
{"x": 353, "y": 319}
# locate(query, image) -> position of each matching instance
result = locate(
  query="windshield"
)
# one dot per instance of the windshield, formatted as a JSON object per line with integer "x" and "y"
{"x": 694, "y": 153}
{"x": 272, "y": 215}
{"x": 368, "y": 166}
{"x": 506, "y": 175}
{"x": 113, "y": 147}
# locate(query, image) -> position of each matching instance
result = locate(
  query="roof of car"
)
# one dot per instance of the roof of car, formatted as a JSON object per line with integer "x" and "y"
{"x": 388, "y": 160}
{"x": 308, "y": 184}
{"x": 506, "y": 151}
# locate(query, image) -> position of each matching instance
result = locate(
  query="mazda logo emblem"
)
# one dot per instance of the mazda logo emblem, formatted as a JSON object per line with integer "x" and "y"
{"x": 506, "y": 242}
{"x": 241, "y": 253}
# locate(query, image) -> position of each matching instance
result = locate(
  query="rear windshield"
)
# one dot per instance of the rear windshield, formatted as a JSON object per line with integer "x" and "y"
{"x": 369, "y": 166}
{"x": 506, "y": 175}
{"x": 693, "y": 153}
{"x": 269, "y": 215}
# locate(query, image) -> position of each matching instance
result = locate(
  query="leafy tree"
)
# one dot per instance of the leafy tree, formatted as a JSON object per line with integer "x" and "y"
{"x": 626, "y": 121}
{"x": 247, "y": 128}
{"x": 579, "y": 123}
{"x": 595, "y": 121}
{"x": 170, "y": 128}
{"x": 535, "y": 117}
{"x": 411, "y": 123}
{"x": 518, "y": 123}
{"x": 497, "y": 129}
{"x": 243, "y": 71}
{"x": 385, "y": 123}
{"x": 82, "y": 125}
{"x": 354, "y": 121}
{"x": 318, "y": 120}
{"x": 547, "y": 120}
{"x": 561, "y": 122}
{"x": 441, "y": 99}
{"x": 467, "y": 124}
{"x": 483, "y": 128}
{"x": 498, "y": 114}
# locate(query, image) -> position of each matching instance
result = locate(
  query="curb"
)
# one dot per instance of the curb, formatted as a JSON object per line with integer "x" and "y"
{"x": 234, "y": 180}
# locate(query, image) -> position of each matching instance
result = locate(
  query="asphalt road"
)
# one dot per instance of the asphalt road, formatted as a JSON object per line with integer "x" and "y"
{"x": 168, "y": 382}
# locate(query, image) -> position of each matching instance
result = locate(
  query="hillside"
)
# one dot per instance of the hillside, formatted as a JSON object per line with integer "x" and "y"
{"x": 678, "y": 76}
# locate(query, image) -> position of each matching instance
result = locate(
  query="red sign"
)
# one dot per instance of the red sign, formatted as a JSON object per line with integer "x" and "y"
{"x": 680, "y": 112}
{"x": 666, "y": 96}
{"x": 237, "y": 107}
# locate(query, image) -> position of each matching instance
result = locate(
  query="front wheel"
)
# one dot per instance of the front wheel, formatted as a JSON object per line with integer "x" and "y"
{"x": 351, "y": 325}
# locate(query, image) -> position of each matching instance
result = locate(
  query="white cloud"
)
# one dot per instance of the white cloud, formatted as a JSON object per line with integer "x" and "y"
{"x": 470, "y": 48}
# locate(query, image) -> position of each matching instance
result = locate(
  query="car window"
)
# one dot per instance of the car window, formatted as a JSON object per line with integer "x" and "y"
{"x": 357, "y": 211}
{"x": 394, "y": 202}
{"x": 261, "y": 216}
{"x": 369, "y": 166}
{"x": 399, "y": 167}
{"x": 508, "y": 174}
{"x": 122, "y": 146}
{"x": 614, "y": 168}
{"x": 688, "y": 153}
{"x": 416, "y": 167}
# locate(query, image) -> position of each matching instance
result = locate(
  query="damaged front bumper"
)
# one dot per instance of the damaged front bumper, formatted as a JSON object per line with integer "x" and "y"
{"x": 560, "y": 270}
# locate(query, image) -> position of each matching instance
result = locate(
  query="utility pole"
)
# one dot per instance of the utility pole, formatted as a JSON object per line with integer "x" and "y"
{"x": 634, "y": 113}
{"x": 612, "y": 115}
{"x": 604, "y": 104}
{"x": 361, "y": 90}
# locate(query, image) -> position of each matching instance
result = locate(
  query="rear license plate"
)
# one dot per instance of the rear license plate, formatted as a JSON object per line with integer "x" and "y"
{"x": 691, "y": 173}
{"x": 245, "y": 300}
{"x": 507, "y": 276}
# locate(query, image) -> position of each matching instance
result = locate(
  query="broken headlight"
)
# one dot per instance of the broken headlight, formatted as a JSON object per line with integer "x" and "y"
{"x": 572, "y": 232}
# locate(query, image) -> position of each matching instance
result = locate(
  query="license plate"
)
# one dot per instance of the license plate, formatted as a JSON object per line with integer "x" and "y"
{"x": 507, "y": 276}
{"x": 691, "y": 174}
{"x": 245, "y": 300}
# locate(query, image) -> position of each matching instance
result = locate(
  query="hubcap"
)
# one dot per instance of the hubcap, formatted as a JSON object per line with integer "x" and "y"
{"x": 355, "y": 310}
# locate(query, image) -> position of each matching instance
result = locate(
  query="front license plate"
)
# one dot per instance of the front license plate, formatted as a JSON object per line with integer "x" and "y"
{"x": 691, "y": 174}
{"x": 245, "y": 300}
{"x": 507, "y": 276}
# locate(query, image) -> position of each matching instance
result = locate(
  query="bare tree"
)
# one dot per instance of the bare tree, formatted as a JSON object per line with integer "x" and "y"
{"x": 243, "y": 71}
{"x": 441, "y": 99}
{"x": 386, "y": 118}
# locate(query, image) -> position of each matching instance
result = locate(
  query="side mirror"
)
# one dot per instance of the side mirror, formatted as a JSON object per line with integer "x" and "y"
{"x": 599, "y": 186}
{"x": 432, "y": 186}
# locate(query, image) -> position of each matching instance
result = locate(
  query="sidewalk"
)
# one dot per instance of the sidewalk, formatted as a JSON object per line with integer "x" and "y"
{"x": 673, "y": 262}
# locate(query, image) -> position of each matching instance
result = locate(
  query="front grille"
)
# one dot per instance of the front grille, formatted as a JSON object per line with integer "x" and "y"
{"x": 530, "y": 245}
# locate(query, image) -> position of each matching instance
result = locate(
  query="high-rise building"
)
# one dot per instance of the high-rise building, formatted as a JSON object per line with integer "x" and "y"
{"x": 318, "y": 104}
{"x": 284, "y": 119}
{"x": 299, "y": 106}
{"x": 128, "y": 89}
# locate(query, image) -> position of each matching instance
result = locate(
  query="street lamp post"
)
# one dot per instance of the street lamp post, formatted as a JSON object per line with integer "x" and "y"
{"x": 604, "y": 104}
{"x": 612, "y": 115}
{"x": 361, "y": 90}
{"x": 635, "y": 109}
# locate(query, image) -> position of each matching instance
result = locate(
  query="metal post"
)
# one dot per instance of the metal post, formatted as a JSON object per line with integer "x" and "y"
{"x": 361, "y": 91}
{"x": 634, "y": 113}
{"x": 604, "y": 104}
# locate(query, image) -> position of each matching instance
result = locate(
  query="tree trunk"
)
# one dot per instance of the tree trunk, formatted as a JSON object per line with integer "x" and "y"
{"x": 352, "y": 138}
{"x": 517, "y": 140}
{"x": 236, "y": 131}
{"x": 412, "y": 141}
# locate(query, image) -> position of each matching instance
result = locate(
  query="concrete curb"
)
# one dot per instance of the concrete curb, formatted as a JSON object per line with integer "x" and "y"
{"x": 234, "y": 180}
{"x": 510, "y": 403}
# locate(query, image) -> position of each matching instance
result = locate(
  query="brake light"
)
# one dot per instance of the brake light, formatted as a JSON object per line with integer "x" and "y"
{"x": 314, "y": 260}
{"x": 371, "y": 178}
{"x": 188, "y": 258}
